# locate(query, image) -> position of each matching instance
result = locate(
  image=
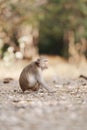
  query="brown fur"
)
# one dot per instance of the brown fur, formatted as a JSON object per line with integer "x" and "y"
{"x": 31, "y": 76}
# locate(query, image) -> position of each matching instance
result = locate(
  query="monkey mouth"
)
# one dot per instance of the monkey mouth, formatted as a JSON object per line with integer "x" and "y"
{"x": 43, "y": 68}
{"x": 46, "y": 67}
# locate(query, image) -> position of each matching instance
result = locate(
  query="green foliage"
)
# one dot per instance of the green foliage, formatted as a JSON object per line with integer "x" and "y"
{"x": 59, "y": 17}
{"x": 53, "y": 18}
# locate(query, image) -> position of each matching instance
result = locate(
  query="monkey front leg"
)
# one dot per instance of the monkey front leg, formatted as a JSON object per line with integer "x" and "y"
{"x": 43, "y": 84}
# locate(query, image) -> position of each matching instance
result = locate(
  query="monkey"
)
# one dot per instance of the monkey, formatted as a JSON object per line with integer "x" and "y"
{"x": 31, "y": 77}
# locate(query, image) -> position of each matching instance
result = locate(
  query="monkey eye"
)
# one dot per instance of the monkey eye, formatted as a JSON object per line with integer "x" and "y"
{"x": 42, "y": 60}
{"x": 45, "y": 60}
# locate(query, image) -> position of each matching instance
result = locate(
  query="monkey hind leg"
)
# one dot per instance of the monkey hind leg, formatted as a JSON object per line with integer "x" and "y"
{"x": 23, "y": 90}
{"x": 36, "y": 87}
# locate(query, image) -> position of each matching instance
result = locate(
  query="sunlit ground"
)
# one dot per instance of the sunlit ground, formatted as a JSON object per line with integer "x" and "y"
{"x": 57, "y": 67}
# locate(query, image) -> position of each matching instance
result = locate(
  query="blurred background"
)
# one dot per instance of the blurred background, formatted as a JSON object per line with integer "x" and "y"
{"x": 43, "y": 27}
{"x": 57, "y": 30}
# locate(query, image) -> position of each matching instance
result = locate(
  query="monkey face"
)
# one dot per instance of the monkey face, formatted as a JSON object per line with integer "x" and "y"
{"x": 44, "y": 65}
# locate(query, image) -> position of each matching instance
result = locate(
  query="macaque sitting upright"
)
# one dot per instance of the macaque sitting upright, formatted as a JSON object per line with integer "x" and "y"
{"x": 31, "y": 77}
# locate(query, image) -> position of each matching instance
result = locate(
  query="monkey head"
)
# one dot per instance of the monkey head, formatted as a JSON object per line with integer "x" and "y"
{"x": 42, "y": 63}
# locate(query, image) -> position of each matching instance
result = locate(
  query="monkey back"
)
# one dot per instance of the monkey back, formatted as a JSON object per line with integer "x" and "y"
{"x": 27, "y": 78}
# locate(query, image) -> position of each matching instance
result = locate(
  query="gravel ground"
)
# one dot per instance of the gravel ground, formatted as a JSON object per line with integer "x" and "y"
{"x": 65, "y": 109}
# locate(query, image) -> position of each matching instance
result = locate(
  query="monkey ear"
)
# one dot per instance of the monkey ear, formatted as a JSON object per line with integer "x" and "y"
{"x": 37, "y": 62}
